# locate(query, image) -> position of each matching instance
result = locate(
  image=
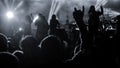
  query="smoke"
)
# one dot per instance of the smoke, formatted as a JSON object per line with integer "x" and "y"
{"x": 62, "y": 8}
{"x": 68, "y": 7}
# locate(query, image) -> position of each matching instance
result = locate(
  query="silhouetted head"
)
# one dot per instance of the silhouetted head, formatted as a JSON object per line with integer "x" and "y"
{"x": 51, "y": 47}
{"x": 19, "y": 55}
{"x": 8, "y": 60}
{"x": 51, "y": 43}
{"x": 92, "y": 8}
{"x": 3, "y": 43}
{"x": 28, "y": 42}
{"x": 53, "y": 16}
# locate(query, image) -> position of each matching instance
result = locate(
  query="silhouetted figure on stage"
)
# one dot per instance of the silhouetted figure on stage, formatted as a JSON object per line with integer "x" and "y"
{"x": 42, "y": 27}
{"x": 94, "y": 20}
{"x": 57, "y": 31}
{"x": 78, "y": 16}
{"x": 53, "y": 25}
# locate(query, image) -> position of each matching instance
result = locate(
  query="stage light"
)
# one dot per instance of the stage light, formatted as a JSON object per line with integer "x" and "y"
{"x": 55, "y": 7}
{"x": 20, "y": 29}
{"x": 35, "y": 18}
{"x": 10, "y": 14}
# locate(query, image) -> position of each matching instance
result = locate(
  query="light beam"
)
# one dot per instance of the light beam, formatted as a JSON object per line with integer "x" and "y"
{"x": 59, "y": 6}
{"x": 35, "y": 18}
{"x": 20, "y": 4}
{"x": 7, "y": 4}
{"x": 55, "y": 6}
{"x": 51, "y": 9}
{"x": 13, "y": 2}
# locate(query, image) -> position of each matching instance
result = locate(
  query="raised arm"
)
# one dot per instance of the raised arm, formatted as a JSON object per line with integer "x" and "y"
{"x": 101, "y": 10}
{"x": 78, "y": 15}
{"x": 83, "y": 9}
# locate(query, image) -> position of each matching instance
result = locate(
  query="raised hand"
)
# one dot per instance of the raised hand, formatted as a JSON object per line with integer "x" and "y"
{"x": 78, "y": 14}
{"x": 83, "y": 8}
{"x": 101, "y": 9}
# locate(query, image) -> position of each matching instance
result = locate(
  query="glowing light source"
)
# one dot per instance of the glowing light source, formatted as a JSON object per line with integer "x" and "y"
{"x": 20, "y": 29}
{"x": 10, "y": 14}
{"x": 35, "y": 18}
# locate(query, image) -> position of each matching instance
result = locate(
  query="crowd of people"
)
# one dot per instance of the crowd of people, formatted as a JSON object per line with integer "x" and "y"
{"x": 53, "y": 45}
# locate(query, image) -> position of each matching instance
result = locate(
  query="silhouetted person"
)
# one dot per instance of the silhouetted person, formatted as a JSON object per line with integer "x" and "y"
{"x": 57, "y": 31}
{"x": 19, "y": 54}
{"x": 52, "y": 50}
{"x": 31, "y": 51}
{"x": 53, "y": 25}
{"x": 3, "y": 43}
{"x": 78, "y": 16}
{"x": 42, "y": 27}
{"x": 8, "y": 60}
{"x": 94, "y": 21}
{"x": 83, "y": 56}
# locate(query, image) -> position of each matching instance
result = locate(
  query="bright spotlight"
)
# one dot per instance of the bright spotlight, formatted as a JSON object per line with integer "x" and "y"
{"x": 20, "y": 29}
{"x": 10, "y": 14}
